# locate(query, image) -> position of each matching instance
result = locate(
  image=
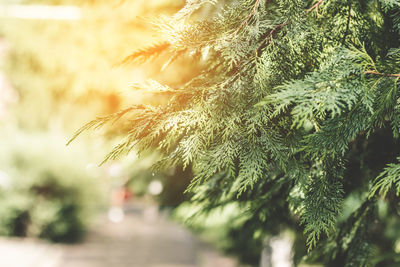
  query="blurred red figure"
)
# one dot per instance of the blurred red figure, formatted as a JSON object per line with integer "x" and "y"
{"x": 119, "y": 196}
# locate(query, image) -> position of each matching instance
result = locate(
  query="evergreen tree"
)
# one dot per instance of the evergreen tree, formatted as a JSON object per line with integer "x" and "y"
{"x": 295, "y": 115}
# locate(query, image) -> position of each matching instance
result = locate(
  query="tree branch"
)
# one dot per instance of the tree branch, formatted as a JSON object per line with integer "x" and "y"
{"x": 277, "y": 27}
{"x": 382, "y": 74}
{"x": 315, "y": 6}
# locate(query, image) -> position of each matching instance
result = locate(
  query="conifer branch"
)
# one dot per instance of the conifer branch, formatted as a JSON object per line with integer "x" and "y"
{"x": 318, "y": 99}
{"x": 146, "y": 53}
{"x": 101, "y": 121}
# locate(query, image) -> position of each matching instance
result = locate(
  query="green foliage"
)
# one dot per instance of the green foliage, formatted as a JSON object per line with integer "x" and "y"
{"x": 296, "y": 109}
{"x": 389, "y": 178}
{"x": 322, "y": 203}
{"x": 45, "y": 197}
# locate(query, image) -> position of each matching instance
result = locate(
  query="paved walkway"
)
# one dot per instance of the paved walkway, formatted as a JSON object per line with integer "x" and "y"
{"x": 143, "y": 239}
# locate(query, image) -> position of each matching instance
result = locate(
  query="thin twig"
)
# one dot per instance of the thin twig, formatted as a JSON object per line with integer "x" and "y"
{"x": 382, "y": 74}
{"x": 279, "y": 26}
{"x": 244, "y": 22}
{"x": 314, "y": 6}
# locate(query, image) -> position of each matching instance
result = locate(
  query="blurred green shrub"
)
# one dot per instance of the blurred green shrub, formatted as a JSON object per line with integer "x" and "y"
{"x": 49, "y": 193}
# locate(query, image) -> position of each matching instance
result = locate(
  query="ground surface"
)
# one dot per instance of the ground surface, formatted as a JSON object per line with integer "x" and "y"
{"x": 144, "y": 239}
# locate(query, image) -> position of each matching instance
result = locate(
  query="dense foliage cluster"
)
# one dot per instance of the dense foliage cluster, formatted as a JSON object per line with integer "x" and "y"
{"x": 295, "y": 116}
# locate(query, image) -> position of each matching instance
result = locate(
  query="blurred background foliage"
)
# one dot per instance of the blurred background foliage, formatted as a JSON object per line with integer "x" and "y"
{"x": 56, "y": 75}
{"x": 45, "y": 191}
